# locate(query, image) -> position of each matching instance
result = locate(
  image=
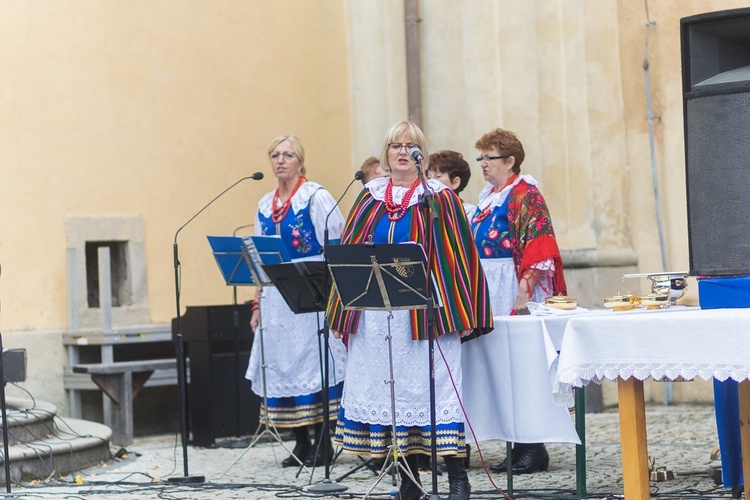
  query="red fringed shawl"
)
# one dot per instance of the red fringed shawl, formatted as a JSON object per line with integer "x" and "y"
{"x": 531, "y": 234}
{"x": 456, "y": 268}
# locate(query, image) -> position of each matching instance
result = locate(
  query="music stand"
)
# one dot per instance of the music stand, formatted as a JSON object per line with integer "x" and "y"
{"x": 238, "y": 261}
{"x": 303, "y": 286}
{"x": 300, "y": 284}
{"x": 383, "y": 277}
{"x": 240, "y": 265}
{"x": 241, "y": 262}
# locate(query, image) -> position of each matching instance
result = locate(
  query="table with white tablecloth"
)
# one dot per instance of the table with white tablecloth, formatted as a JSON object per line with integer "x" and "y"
{"x": 673, "y": 343}
{"x": 508, "y": 377}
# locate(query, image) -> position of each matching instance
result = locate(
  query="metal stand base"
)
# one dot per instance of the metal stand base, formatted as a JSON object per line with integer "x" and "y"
{"x": 234, "y": 443}
{"x": 187, "y": 479}
{"x": 391, "y": 461}
{"x": 326, "y": 486}
{"x": 264, "y": 428}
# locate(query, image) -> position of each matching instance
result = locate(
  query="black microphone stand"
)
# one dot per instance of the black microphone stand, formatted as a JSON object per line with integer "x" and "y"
{"x": 6, "y": 455}
{"x": 430, "y": 216}
{"x": 328, "y": 486}
{"x": 181, "y": 373}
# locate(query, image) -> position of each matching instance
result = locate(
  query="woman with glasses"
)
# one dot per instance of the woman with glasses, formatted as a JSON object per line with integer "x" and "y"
{"x": 388, "y": 211}
{"x": 296, "y": 210}
{"x": 513, "y": 231}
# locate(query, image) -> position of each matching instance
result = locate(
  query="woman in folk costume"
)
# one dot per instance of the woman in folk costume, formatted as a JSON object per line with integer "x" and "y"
{"x": 387, "y": 211}
{"x": 296, "y": 211}
{"x": 513, "y": 231}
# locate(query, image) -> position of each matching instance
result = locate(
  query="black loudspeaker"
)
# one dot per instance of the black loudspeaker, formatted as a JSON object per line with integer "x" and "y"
{"x": 217, "y": 341}
{"x": 716, "y": 109}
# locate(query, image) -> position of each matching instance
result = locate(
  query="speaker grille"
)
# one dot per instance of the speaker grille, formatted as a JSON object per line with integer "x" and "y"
{"x": 717, "y": 143}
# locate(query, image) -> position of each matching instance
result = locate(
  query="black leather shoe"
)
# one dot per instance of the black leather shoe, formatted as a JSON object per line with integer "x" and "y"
{"x": 314, "y": 459}
{"x": 533, "y": 458}
{"x": 502, "y": 466}
{"x": 301, "y": 449}
{"x": 298, "y": 455}
{"x": 409, "y": 490}
{"x": 467, "y": 462}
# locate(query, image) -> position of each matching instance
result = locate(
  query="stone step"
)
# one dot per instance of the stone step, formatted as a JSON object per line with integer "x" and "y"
{"x": 42, "y": 445}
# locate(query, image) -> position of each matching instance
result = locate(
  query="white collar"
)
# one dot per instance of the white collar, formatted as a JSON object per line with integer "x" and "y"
{"x": 378, "y": 185}
{"x": 299, "y": 201}
{"x": 489, "y": 199}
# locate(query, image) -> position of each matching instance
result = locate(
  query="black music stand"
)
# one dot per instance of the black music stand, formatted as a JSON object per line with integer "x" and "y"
{"x": 302, "y": 284}
{"x": 240, "y": 265}
{"x": 383, "y": 277}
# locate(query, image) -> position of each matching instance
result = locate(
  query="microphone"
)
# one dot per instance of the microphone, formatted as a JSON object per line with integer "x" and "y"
{"x": 357, "y": 177}
{"x": 181, "y": 375}
{"x": 256, "y": 177}
{"x": 416, "y": 154}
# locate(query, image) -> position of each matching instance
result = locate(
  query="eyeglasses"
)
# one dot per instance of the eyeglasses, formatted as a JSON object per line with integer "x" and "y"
{"x": 488, "y": 159}
{"x": 397, "y": 146}
{"x": 287, "y": 154}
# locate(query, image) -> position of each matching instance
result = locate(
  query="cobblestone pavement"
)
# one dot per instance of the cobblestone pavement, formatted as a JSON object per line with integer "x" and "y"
{"x": 681, "y": 438}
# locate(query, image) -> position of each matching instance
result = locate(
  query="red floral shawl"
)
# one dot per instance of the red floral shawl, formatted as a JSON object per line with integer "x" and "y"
{"x": 531, "y": 234}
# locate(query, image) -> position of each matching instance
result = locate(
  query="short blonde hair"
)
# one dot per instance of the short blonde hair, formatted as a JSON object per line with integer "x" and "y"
{"x": 397, "y": 129}
{"x": 297, "y": 147}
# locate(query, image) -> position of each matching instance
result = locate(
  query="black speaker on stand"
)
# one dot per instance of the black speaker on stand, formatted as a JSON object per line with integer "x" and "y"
{"x": 716, "y": 107}
{"x": 218, "y": 340}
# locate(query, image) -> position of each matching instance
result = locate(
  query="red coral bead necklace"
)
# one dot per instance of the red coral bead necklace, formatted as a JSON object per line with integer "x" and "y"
{"x": 486, "y": 211}
{"x": 396, "y": 211}
{"x": 279, "y": 212}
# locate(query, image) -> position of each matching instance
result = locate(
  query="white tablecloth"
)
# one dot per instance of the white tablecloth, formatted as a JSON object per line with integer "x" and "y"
{"x": 669, "y": 343}
{"x": 508, "y": 377}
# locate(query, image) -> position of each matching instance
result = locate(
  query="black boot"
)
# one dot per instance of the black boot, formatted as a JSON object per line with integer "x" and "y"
{"x": 409, "y": 490}
{"x": 301, "y": 448}
{"x": 503, "y": 466}
{"x": 316, "y": 456}
{"x": 458, "y": 479}
{"x": 532, "y": 458}
{"x": 467, "y": 461}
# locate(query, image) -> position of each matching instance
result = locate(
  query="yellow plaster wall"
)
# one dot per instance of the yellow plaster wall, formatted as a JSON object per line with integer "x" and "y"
{"x": 152, "y": 109}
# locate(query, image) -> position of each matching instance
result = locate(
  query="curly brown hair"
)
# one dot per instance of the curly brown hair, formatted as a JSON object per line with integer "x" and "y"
{"x": 506, "y": 143}
{"x": 453, "y": 165}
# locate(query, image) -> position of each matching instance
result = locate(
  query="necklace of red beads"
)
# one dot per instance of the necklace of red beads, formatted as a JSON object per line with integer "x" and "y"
{"x": 397, "y": 211}
{"x": 279, "y": 213}
{"x": 486, "y": 211}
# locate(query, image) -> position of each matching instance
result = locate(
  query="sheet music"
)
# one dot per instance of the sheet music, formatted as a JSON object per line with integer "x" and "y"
{"x": 255, "y": 259}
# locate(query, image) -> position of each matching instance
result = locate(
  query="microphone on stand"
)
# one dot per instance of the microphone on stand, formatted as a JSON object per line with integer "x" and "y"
{"x": 180, "y": 343}
{"x": 416, "y": 154}
{"x": 357, "y": 177}
{"x": 256, "y": 177}
{"x": 328, "y": 486}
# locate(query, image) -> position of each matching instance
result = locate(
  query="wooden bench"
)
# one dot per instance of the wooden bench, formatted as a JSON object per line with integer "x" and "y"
{"x": 121, "y": 382}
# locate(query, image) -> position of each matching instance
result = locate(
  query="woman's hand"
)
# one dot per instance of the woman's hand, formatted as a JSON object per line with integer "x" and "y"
{"x": 522, "y": 299}
{"x": 336, "y": 334}
{"x": 525, "y": 294}
{"x": 464, "y": 333}
{"x": 255, "y": 320}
